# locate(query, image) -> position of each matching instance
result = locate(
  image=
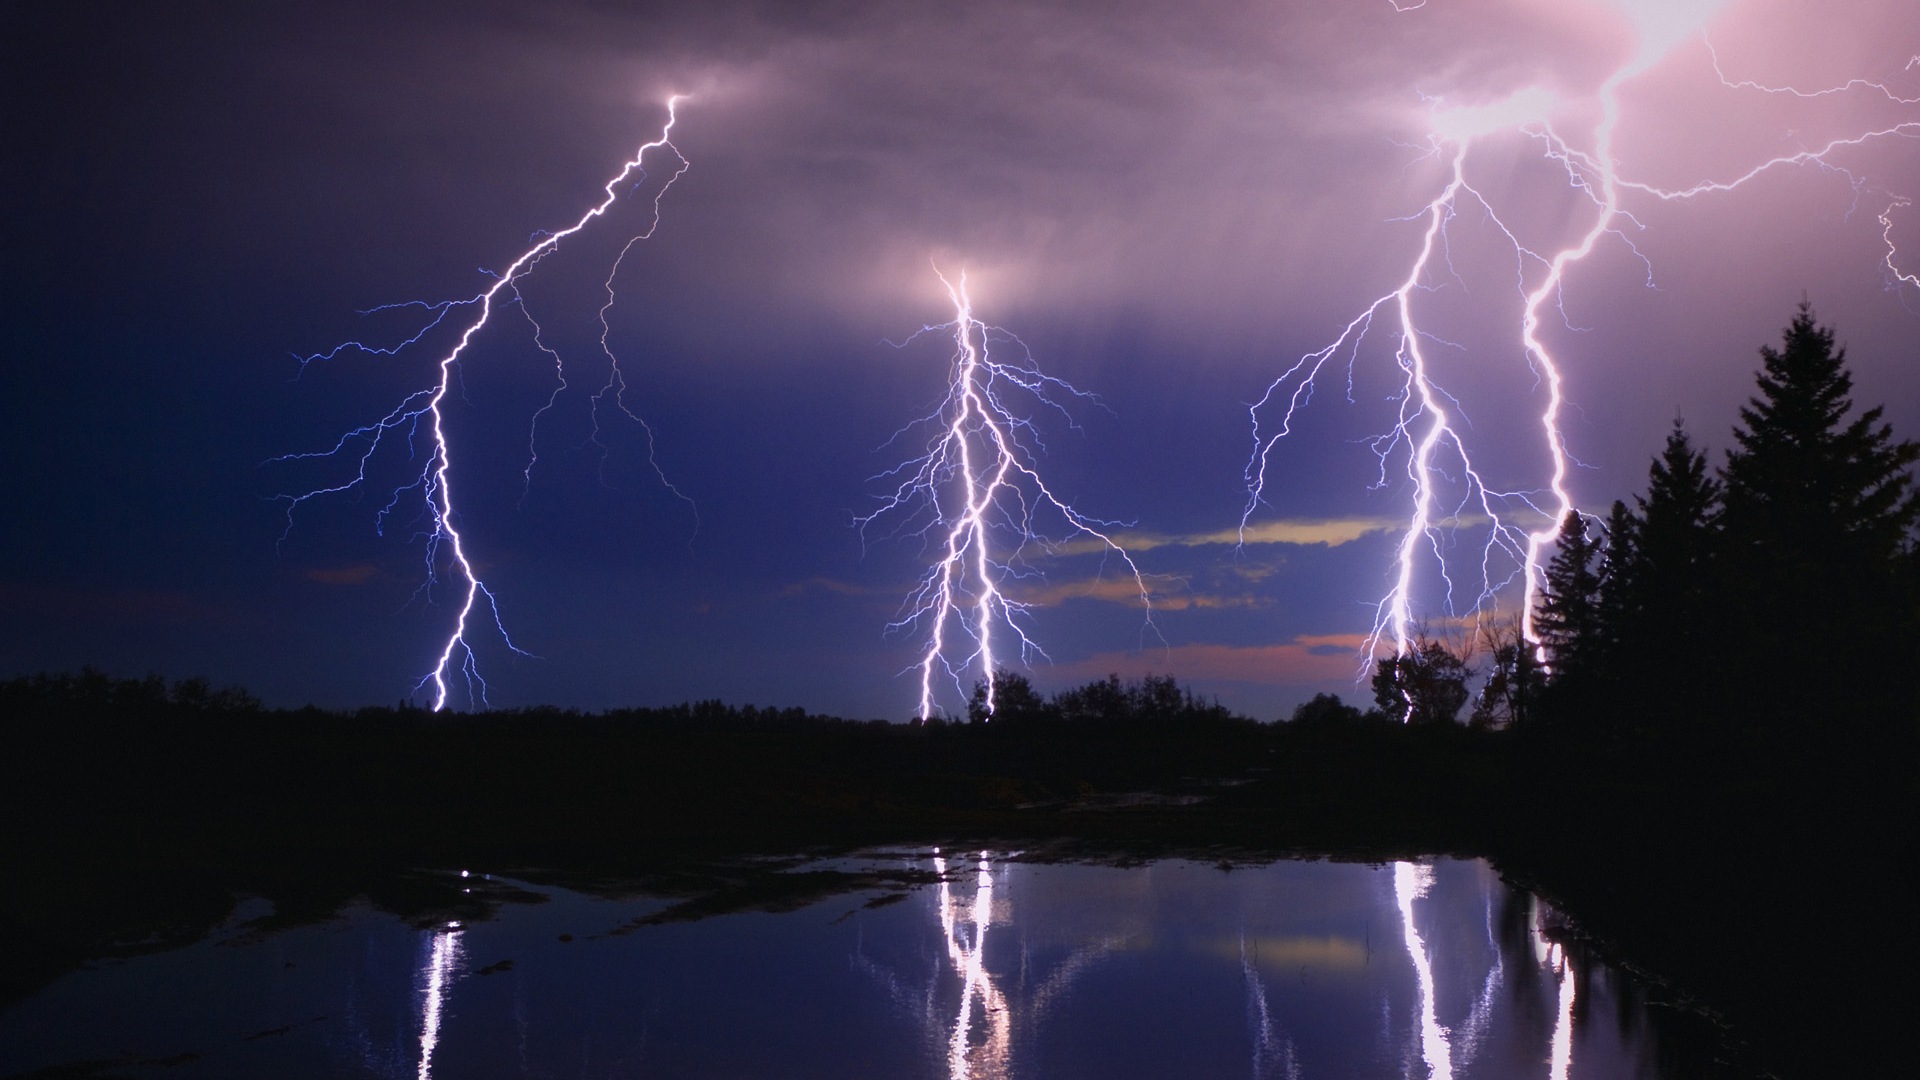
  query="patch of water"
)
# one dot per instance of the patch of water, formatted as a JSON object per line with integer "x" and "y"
{"x": 1001, "y": 969}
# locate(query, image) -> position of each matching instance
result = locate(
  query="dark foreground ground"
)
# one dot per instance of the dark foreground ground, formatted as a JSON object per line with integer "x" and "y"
{"x": 1769, "y": 892}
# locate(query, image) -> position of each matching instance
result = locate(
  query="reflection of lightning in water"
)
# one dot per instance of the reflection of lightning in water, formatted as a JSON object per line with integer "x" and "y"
{"x": 442, "y": 963}
{"x": 1062, "y": 978}
{"x": 985, "y": 1005}
{"x": 966, "y": 942}
{"x": 1270, "y": 1049}
{"x": 982, "y": 1022}
{"x": 1553, "y": 956}
{"x": 1563, "y": 1022}
{"x": 1428, "y": 439}
{"x": 419, "y": 415}
{"x": 974, "y": 482}
{"x": 1447, "y": 1049}
{"x": 1411, "y": 882}
{"x": 1473, "y": 1031}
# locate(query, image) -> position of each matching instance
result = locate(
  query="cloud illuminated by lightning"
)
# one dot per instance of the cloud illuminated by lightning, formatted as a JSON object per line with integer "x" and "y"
{"x": 419, "y": 419}
{"x": 1429, "y": 441}
{"x": 975, "y": 495}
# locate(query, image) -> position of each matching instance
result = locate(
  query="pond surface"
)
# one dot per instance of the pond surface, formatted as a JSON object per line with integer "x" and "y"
{"x": 999, "y": 968}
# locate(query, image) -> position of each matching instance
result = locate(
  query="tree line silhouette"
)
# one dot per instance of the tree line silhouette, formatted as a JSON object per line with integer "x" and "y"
{"x": 1720, "y": 709}
{"x": 1767, "y": 603}
{"x": 1778, "y": 593}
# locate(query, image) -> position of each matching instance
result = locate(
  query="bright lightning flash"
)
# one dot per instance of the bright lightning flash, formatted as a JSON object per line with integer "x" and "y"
{"x": 419, "y": 419}
{"x": 1428, "y": 440}
{"x": 975, "y": 495}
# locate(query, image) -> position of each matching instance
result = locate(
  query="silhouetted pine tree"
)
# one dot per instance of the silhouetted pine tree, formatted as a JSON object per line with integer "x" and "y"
{"x": 1805, "y": 486}
{"x": 1819, "y": 513}
{"x": 1671, "y": 616}
{"x": 1568, "y": 621}
{"x": 1619, "y": 597}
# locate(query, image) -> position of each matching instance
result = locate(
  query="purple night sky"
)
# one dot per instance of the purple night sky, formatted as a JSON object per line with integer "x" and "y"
{"x": 1168, "y": 204}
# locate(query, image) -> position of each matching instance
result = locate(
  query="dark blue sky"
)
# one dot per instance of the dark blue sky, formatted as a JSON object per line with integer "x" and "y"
{"x": 1168, "y": 210}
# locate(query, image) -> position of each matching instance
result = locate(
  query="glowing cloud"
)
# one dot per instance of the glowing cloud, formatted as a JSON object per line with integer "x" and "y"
{"x": 1456, "y": 124}
{"x": 1663, "y": 24}
{"x": 1430, "y": 450}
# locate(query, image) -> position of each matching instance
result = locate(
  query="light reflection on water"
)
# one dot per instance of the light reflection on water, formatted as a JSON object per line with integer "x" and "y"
{"x": 443, "y": 963}
{"x": 966, "y": 938}
{"x": 1441, "y": 1046}
{"x": 1002, "y": 970}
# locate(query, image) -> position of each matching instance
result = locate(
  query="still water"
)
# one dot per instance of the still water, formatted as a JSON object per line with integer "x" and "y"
{"x": 999, "y": 969}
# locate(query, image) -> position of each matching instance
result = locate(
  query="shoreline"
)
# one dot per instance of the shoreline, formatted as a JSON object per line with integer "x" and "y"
{"x": 143, "y": 829}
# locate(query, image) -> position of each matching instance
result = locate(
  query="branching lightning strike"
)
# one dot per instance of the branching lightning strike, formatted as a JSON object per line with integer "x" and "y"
{"x": 1426, "y": 440}
{"x": 975, "y": 494}
{"x": 420, "y": 415}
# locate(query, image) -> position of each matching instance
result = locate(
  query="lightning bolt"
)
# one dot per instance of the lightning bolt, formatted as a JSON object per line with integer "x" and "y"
{"x": 420, "y": 417}
{"x": 976, "y": 492}
{"x": 1427, "y": 442}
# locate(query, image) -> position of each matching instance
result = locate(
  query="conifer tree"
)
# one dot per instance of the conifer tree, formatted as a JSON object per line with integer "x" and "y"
{"x": 1619, "y": 600}
{"x": 1568, "y": 621}
{"x": 1806, "y": 489}
{"x": 1674, "y": 611}
{"x": 1679, "y": 513}
{"x": 1819, "y": 512}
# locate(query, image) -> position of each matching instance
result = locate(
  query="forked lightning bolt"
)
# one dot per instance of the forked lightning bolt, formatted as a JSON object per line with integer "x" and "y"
{"x": 975, "y": 495}
{"x": 1428, "y": 440}
{"x": 419, "y": 421}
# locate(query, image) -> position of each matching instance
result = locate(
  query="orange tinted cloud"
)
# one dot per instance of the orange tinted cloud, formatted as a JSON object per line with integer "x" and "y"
{"x": 1166, "y": 594}
{"x": 1307, "y": 660}
{"x": 1332, "y": 533}
{"x": 830, "y": 585}
{"x": 1114, "y": 590}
